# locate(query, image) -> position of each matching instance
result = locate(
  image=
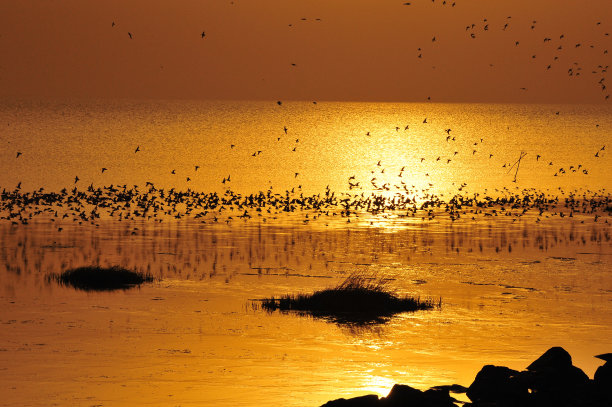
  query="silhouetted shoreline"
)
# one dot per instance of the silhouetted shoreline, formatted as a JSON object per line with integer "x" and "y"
{"x": 551, "y": 380}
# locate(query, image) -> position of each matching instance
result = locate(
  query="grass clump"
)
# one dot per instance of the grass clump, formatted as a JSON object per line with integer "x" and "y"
{"x": 95, "y": 278}
{"x": 358, "y": 299}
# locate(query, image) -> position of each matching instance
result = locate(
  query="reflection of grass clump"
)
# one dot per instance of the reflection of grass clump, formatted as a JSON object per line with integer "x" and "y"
{"x": 357, "y": 299}
{"x": 95, "y": 278}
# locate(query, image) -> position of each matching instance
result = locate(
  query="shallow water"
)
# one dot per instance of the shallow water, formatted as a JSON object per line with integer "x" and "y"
{"x": 194, "y": 338}
{"x": 510, "y": 286}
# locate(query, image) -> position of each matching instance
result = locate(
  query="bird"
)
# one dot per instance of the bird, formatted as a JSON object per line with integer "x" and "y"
{"x": 18, "y": 154}
{"x": 104, "y": 169}
{"x": 197, "y": 167}
{"x": 113, "y": 24}
{"x": 137, "y": 149}
{"x": 76, "y": 179}
{"x": 203, "y": 34}
{"x": 278, "y": 102}
{"x": 130, "y": 34}
{"x": 285, "y": 128}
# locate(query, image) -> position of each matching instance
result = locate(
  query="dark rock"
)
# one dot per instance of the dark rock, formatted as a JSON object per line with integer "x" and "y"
{"x": 605, "y": 356}
{"x": 603, "y": 382}
{"x": 453, "y": 388}
{"x": 553, "y": 380}
{"x": 402, "y": 394}
{"x": 603, "y": 375}
{"x": 438, "y": 398}
{"x": 406, "y": 396}
{"x": 553, "y": 358}
{"x": 495, "y": 383}
{"x": 554, "y": 371}
{"x": 371, "y": 400}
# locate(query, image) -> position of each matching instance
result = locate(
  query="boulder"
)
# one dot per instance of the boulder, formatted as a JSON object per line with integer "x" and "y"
{"x": 402, "y": 395}
{"x": 603, "y": 382}
{"x": 603, "y": 376}
{"x": 554, "y": 358}
{"x": 370, "y": 400}
{"x": 438, "y": 398}
{"x": 553, "y": 379}
{"x": 497, "y": 383}
{"x": 453, "y": 388}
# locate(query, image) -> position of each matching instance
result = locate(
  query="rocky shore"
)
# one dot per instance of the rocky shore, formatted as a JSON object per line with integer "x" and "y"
{"x": 551, "y": 380}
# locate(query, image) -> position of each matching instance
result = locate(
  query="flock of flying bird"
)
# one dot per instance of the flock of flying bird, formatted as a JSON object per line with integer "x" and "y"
{"x": 559, "y": 44}
{"x": 153, "y": 203}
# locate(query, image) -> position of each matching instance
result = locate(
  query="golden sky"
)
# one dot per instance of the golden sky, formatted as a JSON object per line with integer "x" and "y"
{"x": 357, "y": 50}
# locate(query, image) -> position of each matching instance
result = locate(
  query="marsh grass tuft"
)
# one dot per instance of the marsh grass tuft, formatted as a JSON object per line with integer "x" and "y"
{"x": 358, "y": 299}
{"x": 95, "y": 278}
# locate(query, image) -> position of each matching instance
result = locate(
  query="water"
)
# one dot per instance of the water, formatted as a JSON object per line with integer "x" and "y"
{"x": 511, "y": 286}
{"x": 60, "y": 141}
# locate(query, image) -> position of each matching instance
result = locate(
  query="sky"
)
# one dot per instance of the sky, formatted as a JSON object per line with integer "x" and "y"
{"x": 357, "y": 50}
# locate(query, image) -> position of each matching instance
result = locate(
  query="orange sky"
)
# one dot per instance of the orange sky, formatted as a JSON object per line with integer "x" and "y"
{"x": 359, "y": 50}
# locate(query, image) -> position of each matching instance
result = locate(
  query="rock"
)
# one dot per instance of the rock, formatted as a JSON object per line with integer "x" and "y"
{"x": 453, "y": 388}
{"x": 603, "y": 382}
{"x": 438, "y": 398}
{"x": 370, "y": 400}
{"x": 552, "y": 379}
{"x": 605, "y": 356}
{"x": 603, "y": 375}
{"x": 495, "y": 383}
{"x": 402, "y": 395}
{"x": 553, "y": 358}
